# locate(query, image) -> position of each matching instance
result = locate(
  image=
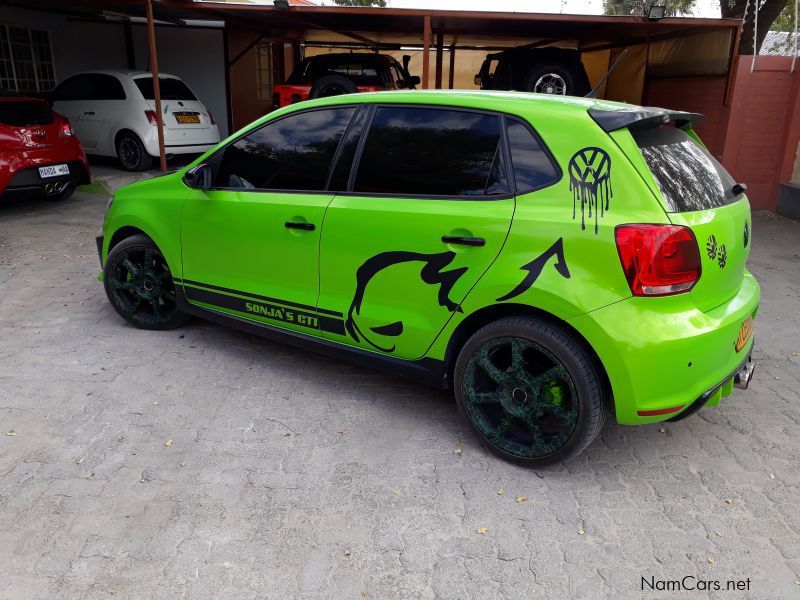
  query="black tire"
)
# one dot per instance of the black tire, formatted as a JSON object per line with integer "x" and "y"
{"x": 132, "y": 154}
{"x": 332, "y": 85}
{"x": 139, "y": 285}
{"x": 552, "y": 78}
{"x": 567, "y": 408}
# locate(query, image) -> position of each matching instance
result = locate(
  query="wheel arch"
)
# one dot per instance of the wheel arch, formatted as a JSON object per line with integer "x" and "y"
{"x": 123, "y": 233}
{"x": 488, "y": 314}
{"x": 122, "y": 131}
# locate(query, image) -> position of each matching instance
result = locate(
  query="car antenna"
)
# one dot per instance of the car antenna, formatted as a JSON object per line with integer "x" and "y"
{"x": 593, "y": 93}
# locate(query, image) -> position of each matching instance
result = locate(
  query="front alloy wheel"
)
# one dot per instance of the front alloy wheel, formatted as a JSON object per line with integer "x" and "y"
{"x": 530, "y": 391}
{"x": 139, "y": 285}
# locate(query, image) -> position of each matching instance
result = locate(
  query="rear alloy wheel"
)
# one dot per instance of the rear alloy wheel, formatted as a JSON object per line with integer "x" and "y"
{"x": 530, "y": 391}
{"x": 550, "y": 79}
{"x": 139, "y": 285}
{"x": 132, "y": 154}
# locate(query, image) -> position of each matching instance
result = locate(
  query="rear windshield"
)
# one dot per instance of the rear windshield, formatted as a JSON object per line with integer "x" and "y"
{"x": 25, "y": 114}
{"x": 689, "y": 177}
{"x": 171, "y": 88}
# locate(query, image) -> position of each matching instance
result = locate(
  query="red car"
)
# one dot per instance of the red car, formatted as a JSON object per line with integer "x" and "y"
{"x": 39, "y": 153}
{"x": 335, "y": 74}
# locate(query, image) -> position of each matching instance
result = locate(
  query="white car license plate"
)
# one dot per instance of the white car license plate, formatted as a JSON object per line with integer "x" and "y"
{"x": 53, "y": 171}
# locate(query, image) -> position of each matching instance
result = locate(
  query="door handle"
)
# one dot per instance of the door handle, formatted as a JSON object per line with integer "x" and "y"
{"x": 89, "y": 112}
{"x": 463, "y": 241}
{"x": 302, "y": 226}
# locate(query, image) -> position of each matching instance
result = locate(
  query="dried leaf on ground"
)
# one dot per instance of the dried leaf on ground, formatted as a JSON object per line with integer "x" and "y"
{"x": 482, "y": 530}
{"x": 11, "y": 433}
{"x": 168, "y": 443}
{"x": 520, "y": 499}
{"x": 500, "y": 492}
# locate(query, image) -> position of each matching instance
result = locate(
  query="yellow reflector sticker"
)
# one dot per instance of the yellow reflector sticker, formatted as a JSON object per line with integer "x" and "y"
{"x": 745, "y": 333}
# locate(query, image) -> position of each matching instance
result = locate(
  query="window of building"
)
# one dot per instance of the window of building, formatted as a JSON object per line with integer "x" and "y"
{"x": 26, "y": 60}
{"x": 264, "y": 81}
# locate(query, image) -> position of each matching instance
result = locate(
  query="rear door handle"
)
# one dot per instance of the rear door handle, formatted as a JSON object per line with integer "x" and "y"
{"x": 463, "y": 241}
{"x": 302, "y": 226}
{"x": 89, "y": 112}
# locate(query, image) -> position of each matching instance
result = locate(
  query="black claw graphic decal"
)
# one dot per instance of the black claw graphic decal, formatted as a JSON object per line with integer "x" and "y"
{"x": 590, "y": 182}
{"x": 746, "y": 234}
{"x": 711, "y": 247}
{"x": 717, "y": 252}
{"x": 722, "y": 256}
{"x": 536, "y": 266}
{"x": 432, "y": 273}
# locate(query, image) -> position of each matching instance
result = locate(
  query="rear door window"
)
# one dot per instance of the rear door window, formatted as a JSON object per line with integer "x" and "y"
{"x": 688, "y": 176}
{"x": 533, "y": 166}
{"x": 421, "y": 151}
{"x": 293, "y": 153}
{"x": 19, "y": 113}
{"x": 170, "y": 88}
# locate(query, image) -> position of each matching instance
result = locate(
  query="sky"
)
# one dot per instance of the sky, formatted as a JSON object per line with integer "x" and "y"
{"x": 703, "y": 8}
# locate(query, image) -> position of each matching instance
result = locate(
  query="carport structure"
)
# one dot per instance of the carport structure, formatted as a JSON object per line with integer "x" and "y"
{"x": 677, "y": 62}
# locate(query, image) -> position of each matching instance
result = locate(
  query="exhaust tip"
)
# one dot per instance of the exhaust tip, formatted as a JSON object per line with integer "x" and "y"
{"x": 58, "y": 187}
{"x": 742, "y": 378}
{"x": 48, "y": 188}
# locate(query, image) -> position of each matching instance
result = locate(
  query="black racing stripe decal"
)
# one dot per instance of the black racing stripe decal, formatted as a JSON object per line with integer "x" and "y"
{"x": 270, "y": 311}
{"x": 323, "y": 311}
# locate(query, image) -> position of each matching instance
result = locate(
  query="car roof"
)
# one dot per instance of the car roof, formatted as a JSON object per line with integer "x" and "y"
{"x": 360, "y": 56}
{"x": 488, "y": 100}
{"x": 132, "y": 74}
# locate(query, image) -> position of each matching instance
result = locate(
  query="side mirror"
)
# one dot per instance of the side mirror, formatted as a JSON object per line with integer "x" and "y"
{"x": 414, "y": 80}
{"x": 199, "y": 177}
{"x": 406, "y": 62}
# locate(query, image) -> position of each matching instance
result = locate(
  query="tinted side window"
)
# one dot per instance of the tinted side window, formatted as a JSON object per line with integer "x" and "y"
{"x": 341, "y": 171}
{"x": 106, "y": 87}
{"x": 293, "y": 153}
{"x": 532, "y": 166}
{"x": 431, "y": 151}
{"x": 74, "y": 88}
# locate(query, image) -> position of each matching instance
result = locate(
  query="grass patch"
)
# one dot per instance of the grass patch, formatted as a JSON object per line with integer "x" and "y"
{"x": 96, "y": 187}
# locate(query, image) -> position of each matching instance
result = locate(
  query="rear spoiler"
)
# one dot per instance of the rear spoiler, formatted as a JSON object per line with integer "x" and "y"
{"x": 642, "y": 117}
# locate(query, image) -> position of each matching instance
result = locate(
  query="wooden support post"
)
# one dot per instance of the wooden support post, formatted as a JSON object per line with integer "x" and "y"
{"x": 452, "y": 74}
{"x": 426, "y": 52}
{"x": 439, "y": 59}
{"x": 151, "y": 42}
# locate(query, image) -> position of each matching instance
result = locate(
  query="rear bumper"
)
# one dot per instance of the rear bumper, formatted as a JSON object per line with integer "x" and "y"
{"x": 663, "y": 355}
{"x": 190, "y": 141}
{"x": 19, "y": 171}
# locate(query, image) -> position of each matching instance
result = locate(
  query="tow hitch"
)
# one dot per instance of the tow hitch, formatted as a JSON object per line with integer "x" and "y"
{"x": 742, "y": 377}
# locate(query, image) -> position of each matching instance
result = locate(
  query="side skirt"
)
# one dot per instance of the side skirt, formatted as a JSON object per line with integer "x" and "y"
{"x": 428, "y": 371}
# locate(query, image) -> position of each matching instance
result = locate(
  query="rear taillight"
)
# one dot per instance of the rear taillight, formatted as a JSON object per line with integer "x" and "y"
{"x": 66, "y": 129}
{"x": 211, "y": 118}
{"x": 151, "y": 117}
{"x": 658, "y": 260}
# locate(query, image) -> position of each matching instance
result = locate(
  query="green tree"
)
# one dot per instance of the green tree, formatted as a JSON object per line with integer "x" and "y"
{"x": 381, "y": 3}
{"x": 767, "y": 15}
{"x": 640, "y": 8}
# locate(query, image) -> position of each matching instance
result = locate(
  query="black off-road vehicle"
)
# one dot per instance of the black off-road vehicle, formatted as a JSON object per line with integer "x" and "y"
{"x": 541, "y": 70}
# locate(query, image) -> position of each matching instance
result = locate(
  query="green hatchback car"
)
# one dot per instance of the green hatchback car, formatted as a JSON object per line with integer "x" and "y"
{"x": 548, "y": 258}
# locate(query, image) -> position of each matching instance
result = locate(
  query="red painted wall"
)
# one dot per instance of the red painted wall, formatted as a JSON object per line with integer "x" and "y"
{"x": 756, "y": 136}
{"x": 705, "y": 95}
{"x": 764, "y": 127}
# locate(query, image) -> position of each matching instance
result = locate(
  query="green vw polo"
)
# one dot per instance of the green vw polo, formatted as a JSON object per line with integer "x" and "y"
{"x": 548, "y": 258}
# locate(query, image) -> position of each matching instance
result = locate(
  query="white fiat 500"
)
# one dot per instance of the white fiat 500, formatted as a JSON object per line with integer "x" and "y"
{"x": 113, "y": 114}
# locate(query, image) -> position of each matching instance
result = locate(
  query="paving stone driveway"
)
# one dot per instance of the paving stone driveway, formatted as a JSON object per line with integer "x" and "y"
{"x": 290, "y": 475}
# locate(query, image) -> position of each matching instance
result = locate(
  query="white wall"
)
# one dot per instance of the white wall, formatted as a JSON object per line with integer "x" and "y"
{"x": 195, "y": 55}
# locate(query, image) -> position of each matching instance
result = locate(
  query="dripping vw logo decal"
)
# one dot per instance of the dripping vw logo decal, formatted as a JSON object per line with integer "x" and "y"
{"x": 590, "y": 183}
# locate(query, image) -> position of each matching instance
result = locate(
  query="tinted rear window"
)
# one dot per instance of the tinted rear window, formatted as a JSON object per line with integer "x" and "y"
{"x": 688, "y": 176}
{"x": 432, "y": 152}
{"x": 533, "y": 168}
{"x": 25, "y": 114}
{"x": 171, "y": 89}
